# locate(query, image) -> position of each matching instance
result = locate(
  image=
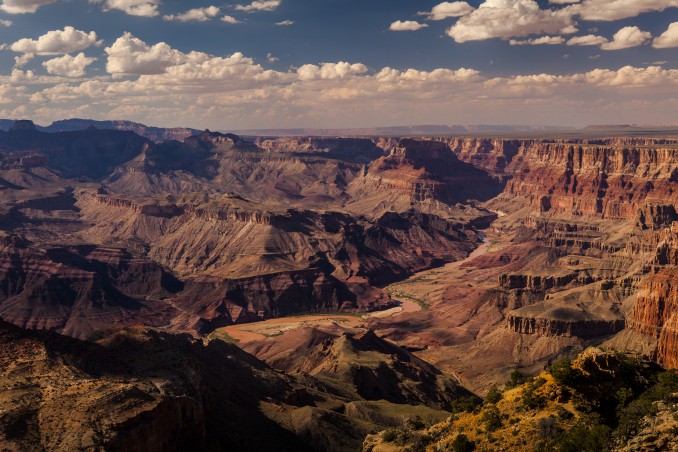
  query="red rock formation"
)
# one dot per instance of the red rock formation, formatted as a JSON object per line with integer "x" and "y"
{"x": 422, "y": 171}
{"x": 59, "y": 289}
{"x": 491, "y": 154}
{"x": 349, "y": 149}
{"x": 655, "y": 314}
{"x": 593, "y": 180}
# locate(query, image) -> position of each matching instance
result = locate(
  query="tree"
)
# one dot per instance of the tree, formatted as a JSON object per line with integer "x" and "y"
{"x": 564, "y": 373}
{"x": 462, "y": 444}
{"x": 491, "y": 418}
{"x": 494, "y": 395}
{"x": 517, "y": 378}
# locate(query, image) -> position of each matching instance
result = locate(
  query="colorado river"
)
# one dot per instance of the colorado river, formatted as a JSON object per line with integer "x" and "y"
{"x": 248, "y": 332}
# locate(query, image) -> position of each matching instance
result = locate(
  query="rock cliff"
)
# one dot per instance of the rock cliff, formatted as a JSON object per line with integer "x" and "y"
{"x": 589, "y": 180}
{"x": 140, "y": 389}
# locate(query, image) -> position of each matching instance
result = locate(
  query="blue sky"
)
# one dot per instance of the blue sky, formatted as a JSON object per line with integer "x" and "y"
{"x": 631, "y": 78}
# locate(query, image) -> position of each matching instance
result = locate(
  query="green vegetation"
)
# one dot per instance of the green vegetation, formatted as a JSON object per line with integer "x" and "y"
{"x": 462, "y": 444}
{"x": 531, "y": 399}
{"x": 517, "y": 378}
{"x": 411, "y": 432}
{"x": 613, "y": 401}
{"x": 389, "y": 435}
{"x": 597, "y": 402}
{"x": 587, "y": 435}
{"x": 399, "y": 295}
{"x": 630, "y": 415}
{"x": 564, "y": 373}
{"x": 491, "y": 418}
{"x": 223, "y": 336}
{"x": 465, "y": 404}
{"x": 494, "y": 395}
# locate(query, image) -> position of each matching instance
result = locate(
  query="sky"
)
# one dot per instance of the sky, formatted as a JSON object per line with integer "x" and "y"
{"x": 340, "y": 63}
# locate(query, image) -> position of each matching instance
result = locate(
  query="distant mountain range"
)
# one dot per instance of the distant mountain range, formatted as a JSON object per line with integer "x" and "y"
{"x": 159, "y": 134}
{"x": 421, "y": 130}
{"x": 152, "y": 133}
{"x": 180, "y": 133}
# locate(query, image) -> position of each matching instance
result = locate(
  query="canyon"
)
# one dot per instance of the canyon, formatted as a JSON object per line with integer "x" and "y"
{"x": 515, "y": 250}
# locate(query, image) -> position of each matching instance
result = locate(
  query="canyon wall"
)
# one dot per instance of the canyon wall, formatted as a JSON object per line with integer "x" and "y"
{"x": 593, "y": 180}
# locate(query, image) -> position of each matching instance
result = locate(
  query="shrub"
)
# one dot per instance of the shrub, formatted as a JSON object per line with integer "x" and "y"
{"x": 564, "y": 373}
{"x": 631, "y": 416}
{"x": 415, "y": 423}
{"x": 587, "y": 435}
{"x": 462, "y": 444}
{"x": 491, "y": 418}
{"x": 389, "y": 435}
{"x": 465, "y": 404}
{"x": 531, "y": 400}
{"x": 494, "y": 395}
{"x": 517, "y": 378}
{"x": 563, "y": 413}
{"x": 419, "y": 443}
{"x": 548, "y": 428}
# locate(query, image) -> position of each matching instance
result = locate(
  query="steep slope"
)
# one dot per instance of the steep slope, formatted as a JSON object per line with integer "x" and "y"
{"x": 607, "y": 179}
{"x": 422, "y": 175}
{"x": 143, "y": 390}
{"x": 359, "y": 364}
{"x": 347, "y": 149}
{"x": 599, "y": 401}
{"x": 78, "y": 290}
{"x": 282, "y": 245}
{"x": 655, "y": 311}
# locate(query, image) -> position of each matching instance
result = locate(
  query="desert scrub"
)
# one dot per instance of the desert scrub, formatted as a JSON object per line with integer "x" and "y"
{"x": 491, "y": 418}
{"x": 494, "y": 395}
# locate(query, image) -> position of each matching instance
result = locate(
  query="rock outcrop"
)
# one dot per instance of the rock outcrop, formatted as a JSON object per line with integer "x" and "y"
{"x": 78, "y": 290}
{"x": 360, "y": 363}
{"x": 593, "y": 180}
{"x": 139, "y": 389}
{"x": 348, "y": 149}
{"x": 419, "y": 175}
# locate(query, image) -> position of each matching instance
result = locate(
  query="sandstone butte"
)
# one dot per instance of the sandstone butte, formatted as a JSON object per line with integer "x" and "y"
{"x": 161, "y": 240}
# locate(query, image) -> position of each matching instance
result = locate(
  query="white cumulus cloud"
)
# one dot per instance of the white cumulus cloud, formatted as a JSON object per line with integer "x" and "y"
{"x": 22, "y": 6}
{"x": 6, "y": 23}
{"x": 235, "y": 92}
{"x": 55, "y": 42}
{"x": 609, "y": 10}
{"x": 196, "y": 14}
{"x": 162, "y": 68}
{"x": 22, "y": 60}
{"x": 260, "y": 5}
{"x": 627, "y": 37}
{"x": 587, "y": 40}
{"x": 143, "y": 8}
{"x": 448, "y": 9}
{"x": 509, "y": 19}
{"x": 667, "y": 39}
{"x": 330, "y": 71}
{"x": 285, "y": 23}
{"x": 69, "y": 66}
{"x": 131, "y": 55}
{"x": 552, "y": 40}
{"x": 407, "y": 25}
{"x": 230, "y": 19}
